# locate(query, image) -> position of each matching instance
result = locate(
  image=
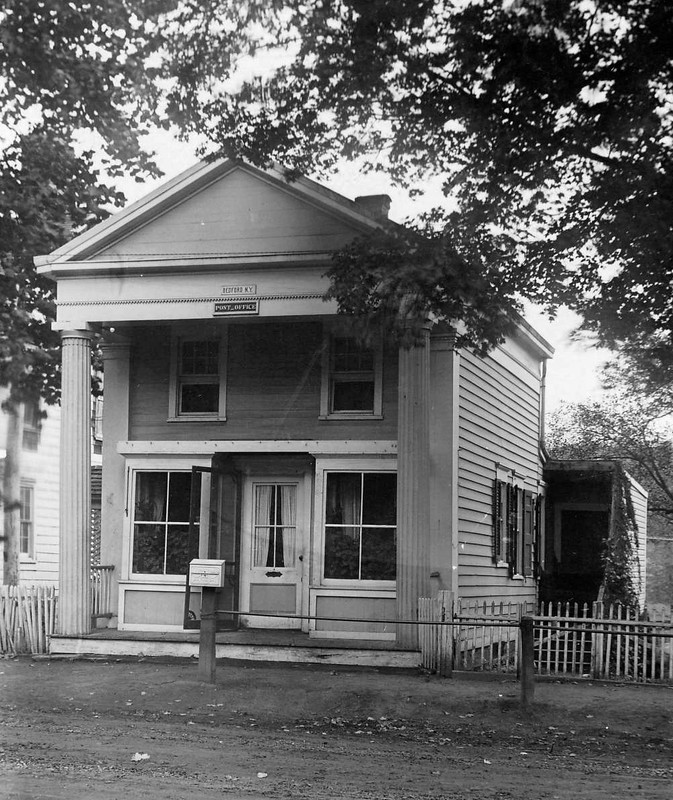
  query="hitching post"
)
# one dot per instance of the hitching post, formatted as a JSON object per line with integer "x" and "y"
{"x": 527, "y": 666}
{"x": 207, "y": 634}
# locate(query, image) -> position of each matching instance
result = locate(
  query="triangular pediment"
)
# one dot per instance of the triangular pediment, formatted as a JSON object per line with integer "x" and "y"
{"x": 225, "y": 212}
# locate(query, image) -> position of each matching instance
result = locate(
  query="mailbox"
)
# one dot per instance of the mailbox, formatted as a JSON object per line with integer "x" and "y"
{"x": 208, "y": 572}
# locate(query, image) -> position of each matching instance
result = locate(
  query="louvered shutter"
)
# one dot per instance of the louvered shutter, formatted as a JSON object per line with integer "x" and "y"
{"x": 527, "y": 533}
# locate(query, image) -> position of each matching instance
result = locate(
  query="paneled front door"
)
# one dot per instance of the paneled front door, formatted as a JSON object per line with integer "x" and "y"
{"x": 274, "y": 535}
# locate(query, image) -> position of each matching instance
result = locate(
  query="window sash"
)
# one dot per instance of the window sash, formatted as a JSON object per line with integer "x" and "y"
{"x": 349, "y": 552}
{"x": 198, "y": 374}
{"x": 160, "y": 525}
{"x": 26, "y": 520}
{"x": 515, "y": 528}
{"x": 351, "y": 379}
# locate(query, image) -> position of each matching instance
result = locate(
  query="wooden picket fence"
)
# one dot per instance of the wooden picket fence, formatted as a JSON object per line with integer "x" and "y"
{"x": 589, "y": 641}
{"x": 27, "y": 618}
{"x": 482, "y": 635}
{"x": 608, "y": 642}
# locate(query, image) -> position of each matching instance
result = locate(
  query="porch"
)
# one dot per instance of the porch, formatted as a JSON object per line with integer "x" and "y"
{"x": 241, "y": 645}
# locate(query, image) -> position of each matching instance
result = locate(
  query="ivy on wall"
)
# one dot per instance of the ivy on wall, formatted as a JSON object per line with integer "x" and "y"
{"x": 621, "y": 578}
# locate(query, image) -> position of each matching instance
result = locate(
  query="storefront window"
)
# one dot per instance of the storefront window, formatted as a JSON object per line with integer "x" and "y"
{"x": 360, "y": 526}
{"x": 161, "y": 523}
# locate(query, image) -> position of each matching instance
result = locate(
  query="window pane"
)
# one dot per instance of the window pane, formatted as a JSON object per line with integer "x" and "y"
{"x": 179, "y": 488}
{"x": 26, "y": 535}
{"x": 178, "y": 555}
{"x": 379, "y": 499}
{"x": 199, "y": 398}
{"x": 150, "y": 503}
{"x": 353, "y": 395}
{"x": 342, "y": 553}
{"x": 343, "y": 498}
{"x": 349, "y": 356}
{"x": 379, "y": 554}
{"x": 199, "y": 358}
{"x": 148, "y": 549}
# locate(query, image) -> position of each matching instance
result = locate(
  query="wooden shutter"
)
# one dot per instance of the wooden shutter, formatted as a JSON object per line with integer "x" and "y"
{"x": 527, "y": 537}
{"x": 498, "y": 488}
{"x": 512, "y": 528}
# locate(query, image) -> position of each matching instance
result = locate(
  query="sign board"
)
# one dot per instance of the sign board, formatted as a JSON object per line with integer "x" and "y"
{"x": 242, "y": 290}
{"x": 236, "y": 307}
{"x": 206, "y": 572}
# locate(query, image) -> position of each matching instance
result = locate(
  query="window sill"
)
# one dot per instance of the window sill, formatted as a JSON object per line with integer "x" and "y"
{"x": 353, "y": 584}
{"x": 198, "y": 418}
{"x": 354, "y": 415}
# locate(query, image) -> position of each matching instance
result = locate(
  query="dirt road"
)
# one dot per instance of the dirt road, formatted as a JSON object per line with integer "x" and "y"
{"x": 143, "y": 731}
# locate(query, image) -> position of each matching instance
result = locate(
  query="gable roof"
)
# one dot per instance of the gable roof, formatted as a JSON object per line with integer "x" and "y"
{"x": 211, "y": 213}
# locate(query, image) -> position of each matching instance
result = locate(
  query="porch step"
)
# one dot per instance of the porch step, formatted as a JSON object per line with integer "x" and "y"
{"x": 259, "y": 648}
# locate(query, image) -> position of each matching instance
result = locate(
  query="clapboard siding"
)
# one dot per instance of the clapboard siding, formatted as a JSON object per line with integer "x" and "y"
{"x": 272, "y": 384}
{"x": 498, "y": 425}
{"x": 238, "y": 214}
{"x": 639, "y": 499}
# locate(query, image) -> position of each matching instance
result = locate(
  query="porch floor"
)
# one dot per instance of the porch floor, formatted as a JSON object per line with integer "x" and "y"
{"x": 245, "y": 645}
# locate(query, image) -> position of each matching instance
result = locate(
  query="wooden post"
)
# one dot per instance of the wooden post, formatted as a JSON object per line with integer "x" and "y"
{"x": 446, "y": 635}
{"x": 527, "y": 664}
{"x": 207, "y": 634}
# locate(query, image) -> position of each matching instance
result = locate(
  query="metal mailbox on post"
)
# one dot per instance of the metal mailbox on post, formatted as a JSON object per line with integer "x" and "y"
{"x": 207, "y": 572}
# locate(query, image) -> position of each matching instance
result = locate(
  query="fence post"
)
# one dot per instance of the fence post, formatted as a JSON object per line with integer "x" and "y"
{"x": 446, "y": 634}
{"x": 597, "y": 640}
{"x": 527, "y": 661}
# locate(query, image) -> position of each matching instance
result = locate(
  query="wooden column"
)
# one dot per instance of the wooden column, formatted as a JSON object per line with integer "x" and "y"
{"x": 74, "y": 614}
{"x": 444, "y": 375}
{"x": 413, "y": 464}
{"x": 116, "y": 364}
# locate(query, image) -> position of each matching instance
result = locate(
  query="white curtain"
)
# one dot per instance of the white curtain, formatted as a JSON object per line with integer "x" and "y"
{"x": 262, "y": 530}
{"x": 288, "y": 519}
{"x": 343, "y": 498}
{"x": 151, "y": 491}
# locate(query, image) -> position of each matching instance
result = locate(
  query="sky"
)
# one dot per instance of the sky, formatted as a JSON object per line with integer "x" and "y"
{"x": 573, "y": 372}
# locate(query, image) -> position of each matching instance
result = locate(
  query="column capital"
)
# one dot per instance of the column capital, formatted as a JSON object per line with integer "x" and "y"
{"x": 77, "y": 333}
{"x": 118, "y": 348}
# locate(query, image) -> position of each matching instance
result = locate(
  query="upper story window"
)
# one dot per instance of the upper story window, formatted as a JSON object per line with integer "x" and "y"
{"x": 351, "y": 379}
{"x": 27, "y": 520}
{"x": 198, "y": 378}
{"x": 32, "y": 423}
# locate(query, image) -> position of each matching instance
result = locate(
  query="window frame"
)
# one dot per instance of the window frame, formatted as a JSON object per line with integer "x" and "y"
{"x": 152, "y": 577}
{"x": 327, "y": 380}
{"x": 29, "y": 553}
{"x": 325, "y": 467}
{"x": 516, "y": 525}
{"x": 177, "y": 379}
{"x": 31, "y": 433}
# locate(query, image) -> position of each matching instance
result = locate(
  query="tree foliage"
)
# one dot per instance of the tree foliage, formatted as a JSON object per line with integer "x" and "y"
{"x": 547, "y": 122}
{"x": 69, "y": 73}
{"x": 632, "y": 425}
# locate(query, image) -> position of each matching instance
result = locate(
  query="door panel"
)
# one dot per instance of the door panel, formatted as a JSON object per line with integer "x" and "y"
{"x": 273, "y": 531}
{"x": 217, "y": 505}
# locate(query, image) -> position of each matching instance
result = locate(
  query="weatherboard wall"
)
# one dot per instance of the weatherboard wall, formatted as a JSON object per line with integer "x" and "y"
{"x": 273, "y": 381}
{"x": 499, "y": 428}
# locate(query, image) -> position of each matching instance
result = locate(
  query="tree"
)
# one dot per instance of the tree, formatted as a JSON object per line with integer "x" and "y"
{"x": 628, "y": 426}
{"x": 547, "y": 122}
{"x": 67, "y": 71}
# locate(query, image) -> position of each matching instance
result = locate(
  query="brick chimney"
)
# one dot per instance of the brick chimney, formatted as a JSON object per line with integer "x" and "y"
{"x": 376, "y": 206}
